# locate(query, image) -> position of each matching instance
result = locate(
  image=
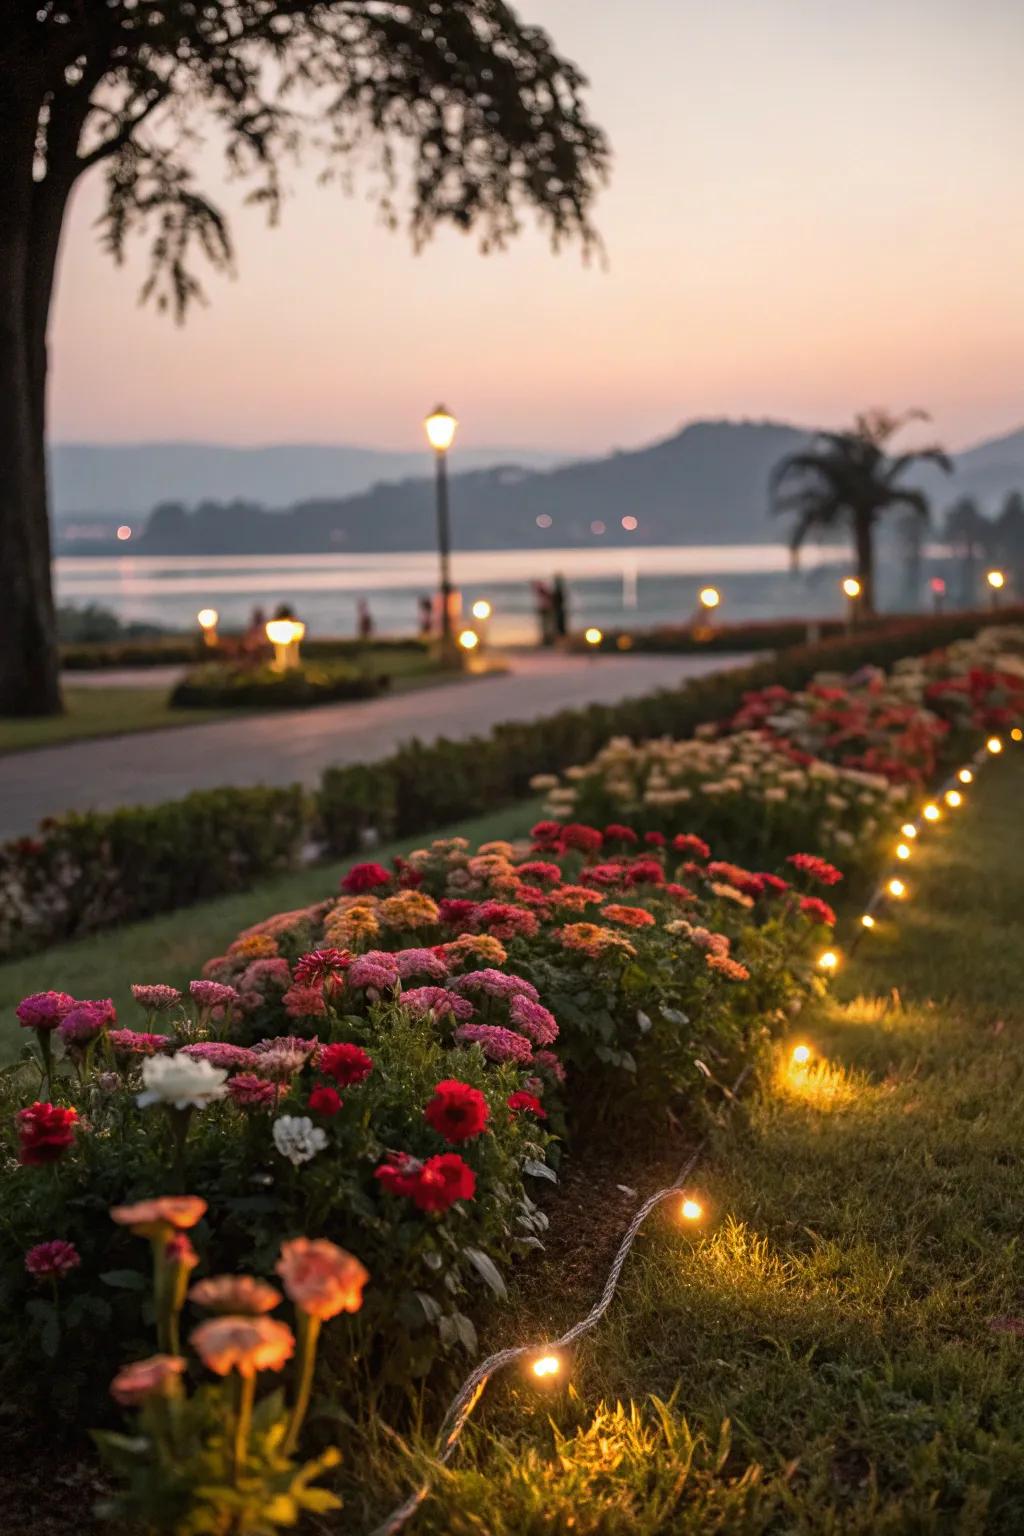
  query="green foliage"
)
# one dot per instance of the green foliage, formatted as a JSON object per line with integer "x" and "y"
{"x": 217, "y": 684}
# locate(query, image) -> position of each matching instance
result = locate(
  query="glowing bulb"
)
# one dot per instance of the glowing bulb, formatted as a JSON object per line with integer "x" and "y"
{"x": 909, "y": 830}
{"x": 965, "y": 776}
{"x": 691, "y": 1210}
{"x": 931, "y": 812}
{"x": 469, "y": 639}
{"x": 801, "y": 1055}
{"x": 207, "y": 618}
{"x": 124, "y": 532}
{"x": 902, "y": 851}
{"x": 547, "y": 1365}
{"x": 896, "y": 888}
{"x": 867, "y": 921}
{"x": 710, "y": 597}
{"x": 851, "y": 586}
{"x": 440, "y": 427}
{"x": 996, "y": 580}
{"x": 629, "y": 523}
{"x": 593, "y": 636}
{"x": 481, "y": 608}
{"x": 285, "y": 631}
{"x": 954, "y": 798}
{"x": 829, "y": 961}
{"x": 994, "y": 745}
{"x": 1017, "y": 734}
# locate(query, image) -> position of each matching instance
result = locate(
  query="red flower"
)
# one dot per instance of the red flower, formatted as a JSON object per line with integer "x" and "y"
{"x": 742, "y": 879}
{"x": 45, "y": 1131}
{"x": 504, "y": 920}
{"x": 521, "y": 1101}
{"x": 443, "y": 1180}
{"x": 576, "y": 835}
{"x": 679, "y": 892}
{"x": 52, "y": 1260}
{"x": 365, "y": 877}
{"x": 456, "y": 911}
{"x": 547, "y": 833}
{"x": 774, "y": 883}
{"x": 654, "y": 839}
{"x": 818, "y": 869}
{"x": 685, "y": 842}
{"x": 345, "y": 1063}
{"x": 398, "y": 1176}
{"x": 645, "y": 872}
{"x": 817, "y": 910}
{"x": 458, "y": 1112}
{"x": 319, "y": 964}
{"x": 614, "y": 833}
{"x": 324, "y": 1101}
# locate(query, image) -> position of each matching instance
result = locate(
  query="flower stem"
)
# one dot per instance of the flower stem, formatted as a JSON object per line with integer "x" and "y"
{"x": 243, "y": 1421}
{"x": 308, "y": 1329}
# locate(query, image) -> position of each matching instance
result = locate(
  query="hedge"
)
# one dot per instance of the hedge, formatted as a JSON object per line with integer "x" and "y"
{"x": 185, "y": 650}
{"x": 218, "y": 685}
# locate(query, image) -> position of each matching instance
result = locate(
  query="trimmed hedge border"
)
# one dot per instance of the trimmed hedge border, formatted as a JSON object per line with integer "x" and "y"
{"x": 187, "y": 650}
{"x": 82, "y": 873}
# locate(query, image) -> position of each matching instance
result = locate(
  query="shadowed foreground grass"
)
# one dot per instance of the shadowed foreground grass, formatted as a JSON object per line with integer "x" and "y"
{"x": 840, "y": 1351}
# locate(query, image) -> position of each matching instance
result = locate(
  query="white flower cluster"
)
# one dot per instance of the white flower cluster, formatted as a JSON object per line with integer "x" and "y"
{"x": 183, "y": 1082}
{"x": 298, "y": 1139}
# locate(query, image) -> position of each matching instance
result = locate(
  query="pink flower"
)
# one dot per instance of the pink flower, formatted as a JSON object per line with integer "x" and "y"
{"x": 304, "y": 1002}
{"x": 86, "y": 1020}
{"x": 281, "y": 1058}
{"x": 319, "y": 964}
{"x": 221, "y": 1053}
{"x": 696, "y": 847}
{"x": 551, "y": 1064}
{"x": 496, "y": 1043}
{"x": 133, "y": 1042}
{"x": 420, "y": 962}
{"x": 437, "y": 1000}
{"x": 156, "y": 998}
{"x": 43, "y": 1010}
{"x": 261, "y": 975}
{"x": 494, "y": 984}
{"x": 374, "y": 969}
{"x": 158, "y": 1376}
{"x": 539, "y": 870}
{"x": 212, "y": 994}
{"x": 533, "y": 1019}
{"x": 52, "y": 1260}
{"x": 251, "y": 1092}
{"x": 505, "y": 920}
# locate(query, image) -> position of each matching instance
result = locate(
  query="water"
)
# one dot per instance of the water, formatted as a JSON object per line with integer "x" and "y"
{"x": 609, "y": 587}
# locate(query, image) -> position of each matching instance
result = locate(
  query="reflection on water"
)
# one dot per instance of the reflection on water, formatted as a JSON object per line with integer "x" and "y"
{"x": 645, "y": 585}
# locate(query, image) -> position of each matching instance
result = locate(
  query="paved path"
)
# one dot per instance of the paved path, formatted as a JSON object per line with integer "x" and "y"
{"x": 296, "y": 746}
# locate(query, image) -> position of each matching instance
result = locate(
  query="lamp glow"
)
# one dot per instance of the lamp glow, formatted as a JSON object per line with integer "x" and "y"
{"x": 440, "y": 428}
{"x": 593, "y": 636}
{"x": 691, "y": 1210}
{"x": 931, "y": 811}
{"x": 867, "y": 921}
{"x": 996, "y": 580}
{"x": 896, "y": 888}
{"x": 547, "y": 1365}
{"x": 285, "y": 631}
{"x": 481, "y": 608}
{"x": 469, "y": 639}
{"x": 965, "y": 776}
{"x": 851, "y": 587}
{"x": 801, "y": 1055}
{"x": 909, "y": 830}
{"x": 207, "y": 618}
{"x": 903, "y": 850}
{"x": 829, "y": 960}
{"x": 710, "y": 597}
{"x": 954, "y": 798}
{"x": 994, "y": 745}
{"x": 124, "y": 532}
{"x": 1017, "y": 734}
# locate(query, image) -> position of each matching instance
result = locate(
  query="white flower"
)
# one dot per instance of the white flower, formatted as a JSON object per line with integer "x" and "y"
{"x": 298, "y": 1139}
{"x": 184, "y": 1081}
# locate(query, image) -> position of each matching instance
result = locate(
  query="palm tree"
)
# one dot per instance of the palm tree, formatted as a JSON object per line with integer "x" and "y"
{"x": 849, "y": 478}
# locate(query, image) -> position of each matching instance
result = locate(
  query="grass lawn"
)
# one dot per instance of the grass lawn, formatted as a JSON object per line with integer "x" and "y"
{"x": 840, "y": 1351}
{"x": 172, "y": 948}
{"x": 95, "y": 711}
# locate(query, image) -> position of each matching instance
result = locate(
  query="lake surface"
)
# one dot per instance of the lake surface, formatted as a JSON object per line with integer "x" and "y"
{"x": 609, "y": 587}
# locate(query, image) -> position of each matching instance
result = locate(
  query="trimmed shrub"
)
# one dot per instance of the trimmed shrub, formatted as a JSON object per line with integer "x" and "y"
{"x": 220, "y": 685}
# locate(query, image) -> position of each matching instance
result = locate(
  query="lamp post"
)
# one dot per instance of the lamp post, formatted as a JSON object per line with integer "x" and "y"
{"x": 996, "y": 582}
{"x": 440, "y": 428}
{"x": 852, "y": 591}
{"x": 208, "y": 619}
{"x": 284, "y": 635}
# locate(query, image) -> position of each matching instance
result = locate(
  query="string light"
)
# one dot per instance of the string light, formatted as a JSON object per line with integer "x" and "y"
{"x": 902, "y": 850}
{"x": 469, "y": 639}
{"x": 593, "y": 636}
{"x": 867, "y": 921}
{"x": 931, "y": 812}
{"x": 994, "y": 745}
{"x": 965, "y": 776}
{"x": 954, "y": 798}
{"x": 801, "y": 1055}
{"x": 546, "y": 1365}
{"x": 829, "y": 961}
{"x": 896, "y": 888}
{"x": 481, "y": 608}
{"x": 691, "y": 1210}
{"x": 1017, "y": 734}
{"x": 908, "y": 829}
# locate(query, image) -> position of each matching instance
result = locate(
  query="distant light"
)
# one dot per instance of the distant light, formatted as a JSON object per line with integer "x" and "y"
{"x": 996, "y": 580}
{"x": 629, "y": 523}
{"x": 867, "y": 921}
{"x": 938, "y": 586}
{"x": 954, "y": 798}
{"x": 124, "y": 532}
{"x": 1017, "y": 734}
{"x": 597, "y": 526}
{"x": 903, "y": 850}
{"x": 909, "y": 830}
{"x": 801, "y": 1055}
{"x": 896, "y": 888}
{"x": 481, "y": 608}
{"x": 851, "y": 586}
{"x": 691, "y": 1210}
{"x": 469, "y": 639}
{"x": 931, "y": 811}
{"x": 710, "y": 597}
{"x": 965, "y": 776}
{"x": 547, "y": 1365}
{"x": 625, "y": 642}
{"x": 285, "y": 631}
{"x": 593, "y": 636}
{"x": 543, "y": 521}
{"x": 829, "y": 961}
{"x": 440, "y": 426}
{"x": 207, "y": 618}
{"x": 994, "y": 745}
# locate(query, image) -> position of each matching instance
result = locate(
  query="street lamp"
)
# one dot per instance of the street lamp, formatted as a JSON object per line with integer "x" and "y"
{"x": 851, "y": 590}
{"x": 208, "y": 619}
{"x": 710, "y": 597}
{"x": 996, "y": 582}
{"x": 284, "y": 635}
{"x": 440, "y": 428}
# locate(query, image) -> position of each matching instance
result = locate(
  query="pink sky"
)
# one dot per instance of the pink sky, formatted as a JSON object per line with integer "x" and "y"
{"x": 814, "y": 207}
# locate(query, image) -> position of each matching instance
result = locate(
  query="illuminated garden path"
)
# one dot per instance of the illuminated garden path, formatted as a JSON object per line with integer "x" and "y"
{"x": 295, "y": 746}
{"x": 842, "y": 1347}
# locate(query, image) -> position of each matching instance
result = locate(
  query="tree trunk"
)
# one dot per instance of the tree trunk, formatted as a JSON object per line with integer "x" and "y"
{"x": 31, "y": 215}
{"x": 864, "y": 547}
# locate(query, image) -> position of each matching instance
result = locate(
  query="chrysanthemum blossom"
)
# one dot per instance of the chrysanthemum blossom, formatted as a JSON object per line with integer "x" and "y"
{"x": 494, "y": 984}
{"x": 181, "y": 1082}
{"x": 43, "y": 1010}
{"x": 86, "y": 1020}
{"x": 533, "y": 1020}
{"x": 235, "y": 1294}
{"x": 52, "y": 1260}
{"x": 156, "y": 998}
{"x": 315, "y": 967}
{"x": 221, "y": 1053}
{"x": 134, "y": 1042}
{"x": 243, "y": 1344}
{"x": 457, "y": 1111}
{"x": 345, "y": 1063}
{"x": 320, "y": 1278}
{"x": 365, "y": 877}
{"x": 159, "y": 1376}
{"x": 497, "y": 1044}
{"x": 443, "y": 1180}
{"x": 212, "y": 994}
{"x": 419, "y": 1001}
{"x": 251, "y": 1092}
{"x": 818, "y": 911}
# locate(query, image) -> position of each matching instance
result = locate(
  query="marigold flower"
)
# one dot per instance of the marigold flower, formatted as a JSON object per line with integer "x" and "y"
{"x": 729, "y": 893}
{"x": 325, "y": 1101}
{"x": 409, "y": 909}
{"x": 345, "y": 1063}
{"x": 365, "y": 877}
{"x": 43, "y": 1010}
{"x": 243, "y": 1344}
{"x": 522, "y": 1102}
{"x": 473, "y": 949}
{"x": 575, "y": 897}
{"x": 52, "y": 1260}
{"x": 593, "y": 940}
{"x": 159, "y": 1376}
{"x": 496, "y": 1043}
{"x": 458, "y": 1111}
{"x": 45, "y": 1131}
{"x": 320, "y": 1278}
{"x": 235, "y": 1294}
{"x": 161, "y": 1215}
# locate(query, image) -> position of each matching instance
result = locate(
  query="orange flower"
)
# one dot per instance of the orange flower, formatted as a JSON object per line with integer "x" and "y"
{"x": 157, "y": 1218}
{"x": 155, "y": 1377}
{"x": 630, "y": 917}
{"x": 321, "y": 1278}
{"x": 235, "y": 1293}
{"x": 243, "y": 1344}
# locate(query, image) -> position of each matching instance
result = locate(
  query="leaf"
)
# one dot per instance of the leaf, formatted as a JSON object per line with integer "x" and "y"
{"x": 539, "y": 1170}
{"x": 124, "y": 1279}
{"x": 643, "y": 1021}
{"x": 487, "y": 1270}
{"x": 431, "y": 1308}
{"x": 465, "y": 1332}
{"x": 675, "y": 1016}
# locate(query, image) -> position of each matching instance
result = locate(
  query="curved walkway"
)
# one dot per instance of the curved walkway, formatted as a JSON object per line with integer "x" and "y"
{"x": 296, "y": 746}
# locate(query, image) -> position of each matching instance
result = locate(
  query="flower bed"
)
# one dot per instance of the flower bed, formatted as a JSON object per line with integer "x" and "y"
{"x": 219, "y": 685}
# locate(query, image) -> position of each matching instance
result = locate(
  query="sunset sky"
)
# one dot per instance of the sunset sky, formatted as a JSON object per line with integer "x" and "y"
{"x": 814, "y": 207}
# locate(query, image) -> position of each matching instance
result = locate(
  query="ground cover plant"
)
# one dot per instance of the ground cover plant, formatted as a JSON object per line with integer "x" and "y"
{"x": 224, "y": 685}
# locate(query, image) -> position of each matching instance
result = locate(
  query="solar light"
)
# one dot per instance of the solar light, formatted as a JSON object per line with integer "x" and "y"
{"x": 867, "y": 921}
{"x": 284, "y": 635}
{"x": 546, "y": 1365}
{"x": 829, "y": 961}
{"x": 954, "y": 798}
{"x": 208, "y": 619}
{"x": 851, "y": 587}
{"x": 801, "y": 1055}
{"x": 909, "y": 830}
{"x": 691, "y": 1210}
{"x": 965, "y": 776}
{"x": 896, "y": 888}
{"x": 994, "y": 745}
{"x": 593, "y": 636}
{"x": 931, "y": 811}
{"x": 902, "y": 851}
